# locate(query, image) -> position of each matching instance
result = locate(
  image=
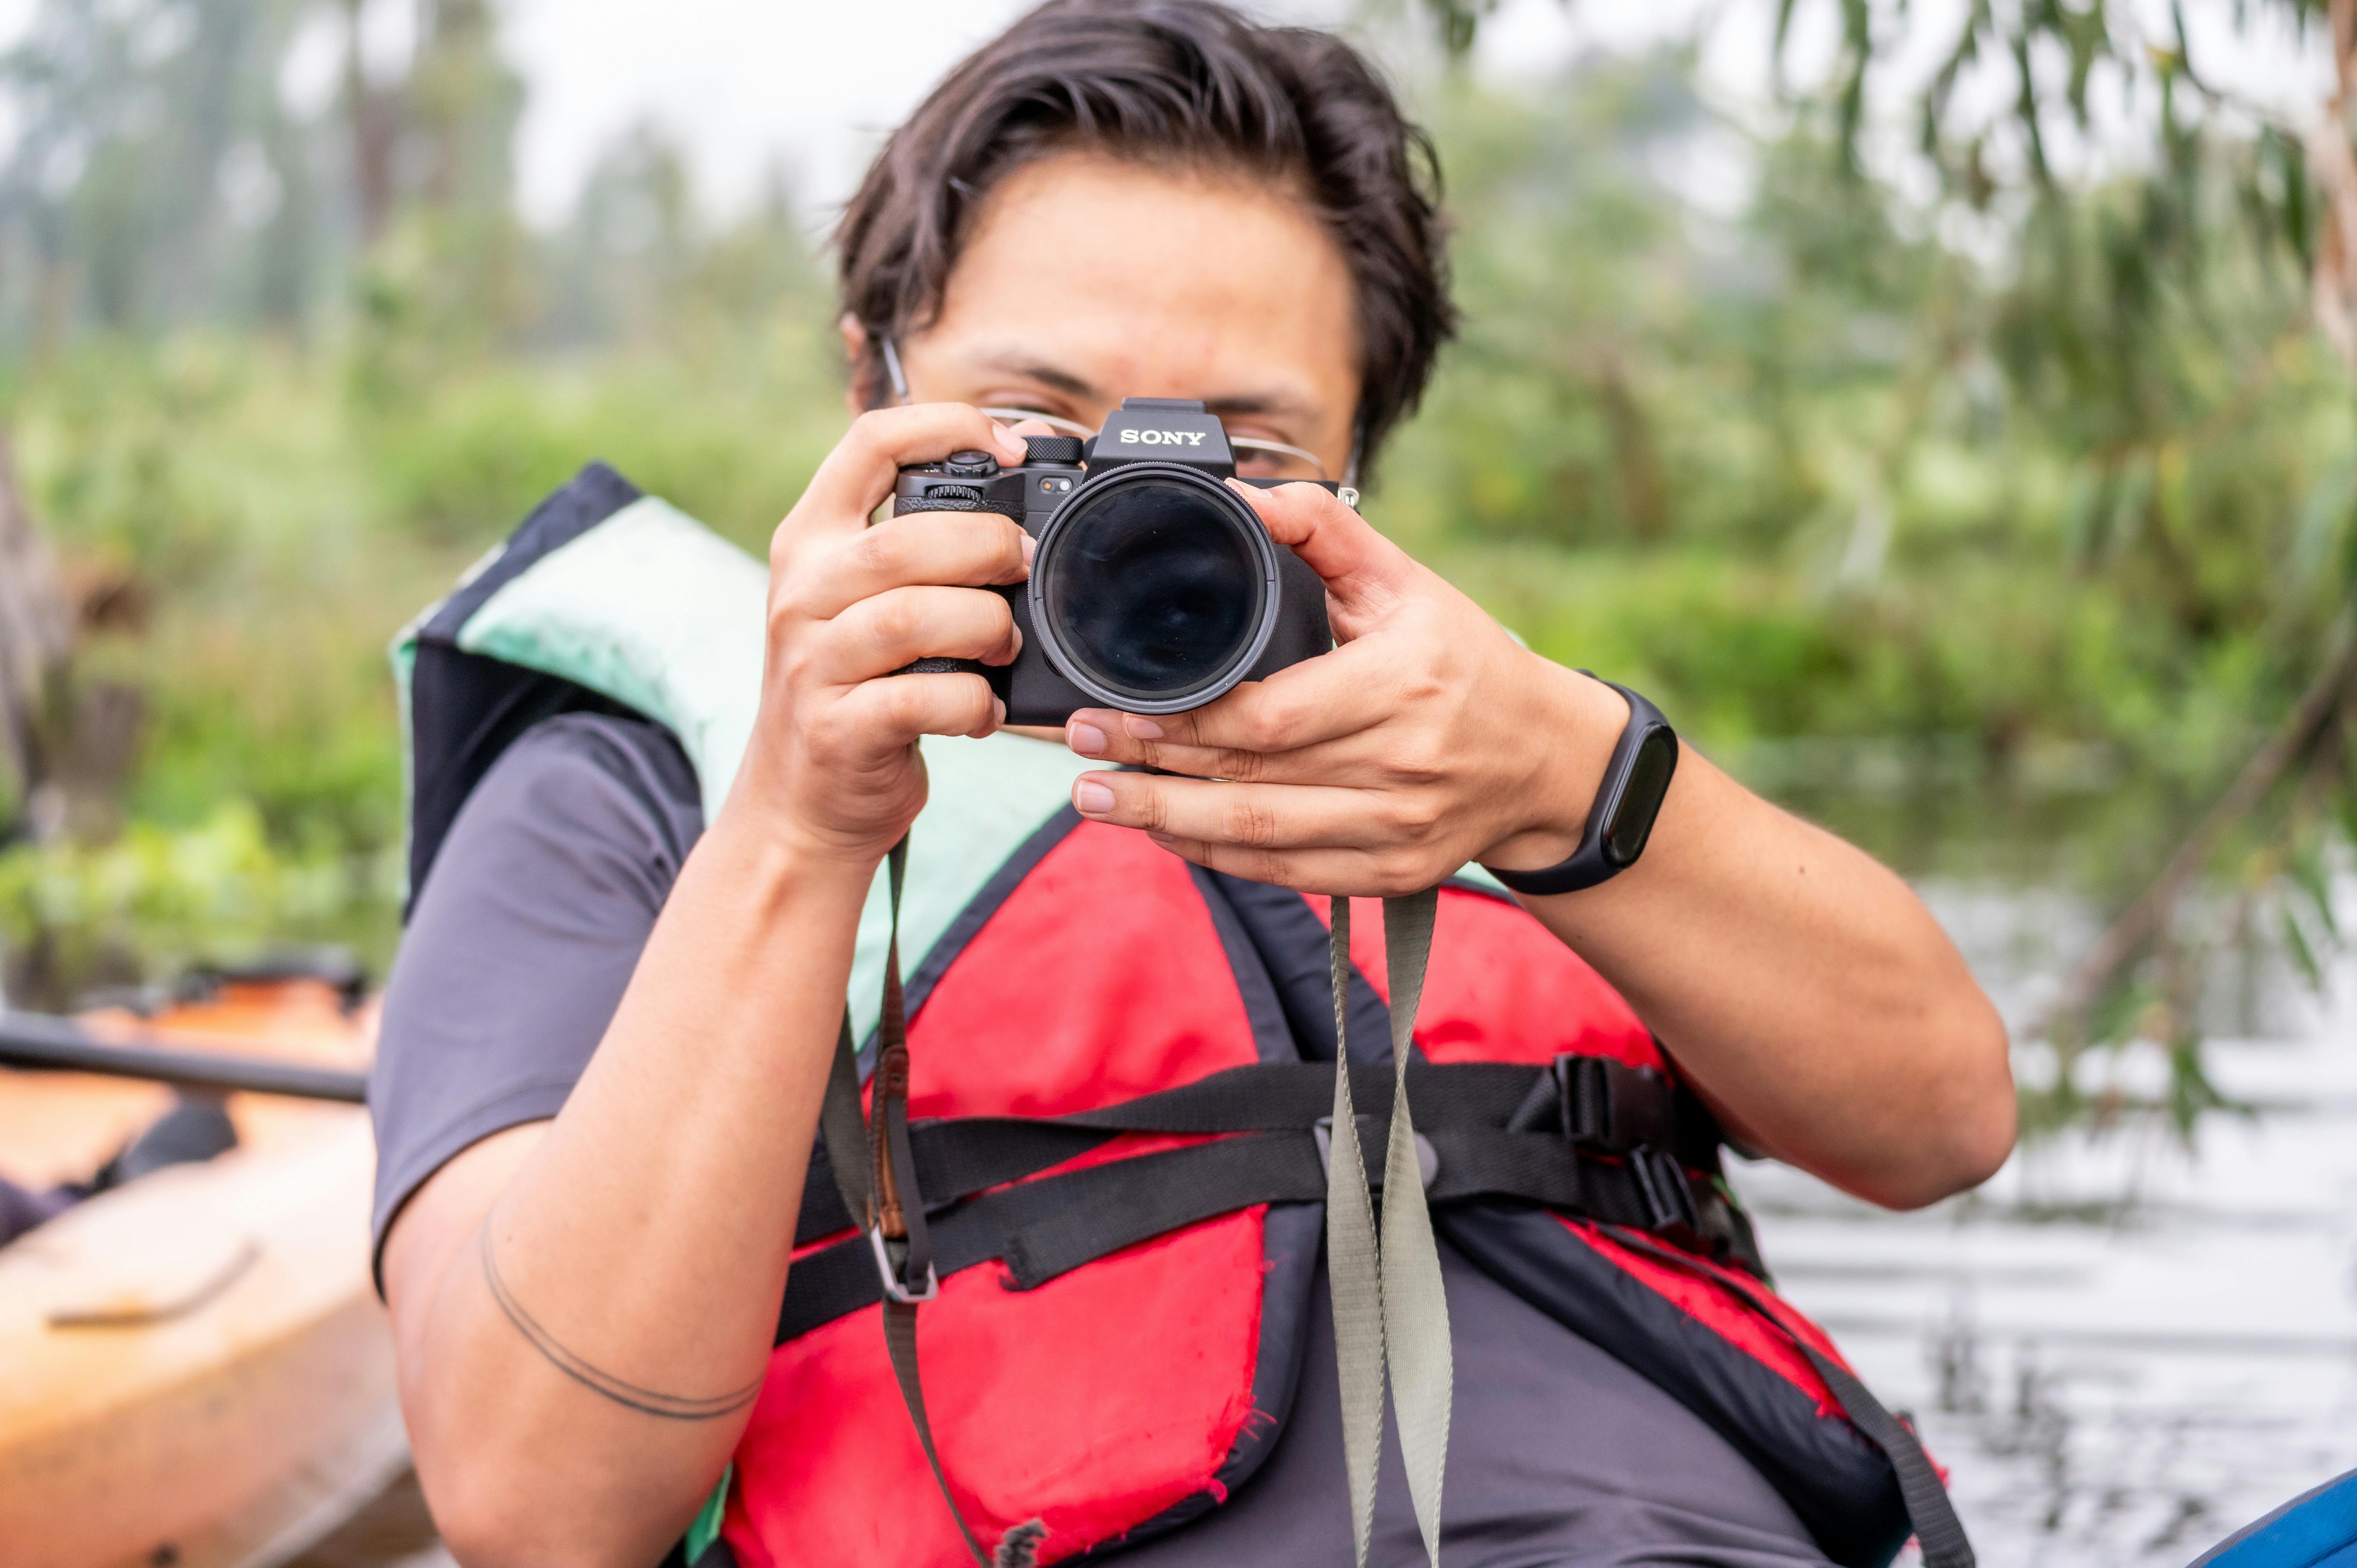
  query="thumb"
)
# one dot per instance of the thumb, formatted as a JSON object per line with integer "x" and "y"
{"x": 1365, "y": 574}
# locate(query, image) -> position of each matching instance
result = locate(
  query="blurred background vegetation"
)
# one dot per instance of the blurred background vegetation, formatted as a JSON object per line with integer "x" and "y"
{"x": 2004, "y": 546}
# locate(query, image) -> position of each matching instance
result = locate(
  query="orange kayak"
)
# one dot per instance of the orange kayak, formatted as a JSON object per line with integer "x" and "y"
{"x": 194, "y": 1367}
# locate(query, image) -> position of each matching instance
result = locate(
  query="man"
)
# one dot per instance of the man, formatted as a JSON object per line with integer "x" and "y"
{"x": 610, "y": 1033}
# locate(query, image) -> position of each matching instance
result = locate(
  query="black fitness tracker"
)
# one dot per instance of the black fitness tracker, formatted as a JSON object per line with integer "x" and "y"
{"x": 1621, "y": 818}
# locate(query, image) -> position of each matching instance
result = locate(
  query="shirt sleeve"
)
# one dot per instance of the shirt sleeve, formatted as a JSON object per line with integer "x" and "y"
{"x": 522, "y": 940}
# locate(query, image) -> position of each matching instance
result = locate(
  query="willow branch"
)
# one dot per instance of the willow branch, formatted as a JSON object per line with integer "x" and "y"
{"x": 2148, "y": 918}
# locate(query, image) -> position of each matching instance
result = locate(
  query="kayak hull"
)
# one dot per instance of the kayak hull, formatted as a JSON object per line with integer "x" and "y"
{"x": 199, "y": 1374}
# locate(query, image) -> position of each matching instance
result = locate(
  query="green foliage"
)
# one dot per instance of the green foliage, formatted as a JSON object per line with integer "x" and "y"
{"x": 161, "y": 901}
{"x": 1809, "y": 472}
{"x": 1824, "y": 486}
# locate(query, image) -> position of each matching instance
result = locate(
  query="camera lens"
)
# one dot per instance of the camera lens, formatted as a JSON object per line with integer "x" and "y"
{"x": 1155, "y": 590}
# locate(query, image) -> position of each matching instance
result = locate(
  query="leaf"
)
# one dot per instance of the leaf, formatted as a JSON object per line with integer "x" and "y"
{"x": 2191, "y": 1089}
{"x": 2303, "y": 956}
{"x": 2309, "y": 875}
{"x": 2323, "y": 521}
{"x": 2087, "y": 516}
{"x": 1783, "y": 31}
{"x": 2116, "y": 1013}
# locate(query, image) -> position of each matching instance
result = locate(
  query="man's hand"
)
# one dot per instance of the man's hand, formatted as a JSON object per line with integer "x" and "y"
{"x": 1426, "y": 739}
{"x": 833, "y": 764}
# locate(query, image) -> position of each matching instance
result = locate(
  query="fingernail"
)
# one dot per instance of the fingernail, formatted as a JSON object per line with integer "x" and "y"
{"x": 1092, "y": 798}
{"x": 1085, "y": 738}
{"x": 1140, "y": 728}
{"x": 999, "y": 710}
{"x": 1031, "y": 548}
{"x": 1165, "y": 840}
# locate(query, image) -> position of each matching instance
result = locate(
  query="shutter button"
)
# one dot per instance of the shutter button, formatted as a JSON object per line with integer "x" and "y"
{"x": 972, "y": 464}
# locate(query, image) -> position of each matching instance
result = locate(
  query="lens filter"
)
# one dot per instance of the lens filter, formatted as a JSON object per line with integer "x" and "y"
{"x": 1154, "y": 588}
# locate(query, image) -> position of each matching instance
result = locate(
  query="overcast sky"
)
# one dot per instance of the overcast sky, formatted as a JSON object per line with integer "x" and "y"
{"x": 747, "y": 83}
{"x": 744, "y": 81}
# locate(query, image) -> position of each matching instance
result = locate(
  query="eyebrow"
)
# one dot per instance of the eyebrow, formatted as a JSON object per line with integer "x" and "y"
{"x": 1046, "y": 375}
{"x": 1070, "y": 385}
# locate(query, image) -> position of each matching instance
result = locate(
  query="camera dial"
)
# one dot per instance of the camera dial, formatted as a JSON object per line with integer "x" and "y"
{"x": 971, "y": 465}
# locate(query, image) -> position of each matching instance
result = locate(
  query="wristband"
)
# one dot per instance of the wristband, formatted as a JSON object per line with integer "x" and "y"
{"x": 1621, "y": 817}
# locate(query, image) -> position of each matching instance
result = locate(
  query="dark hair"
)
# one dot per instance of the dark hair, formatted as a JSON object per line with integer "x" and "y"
{"x": 1160, "y": 81}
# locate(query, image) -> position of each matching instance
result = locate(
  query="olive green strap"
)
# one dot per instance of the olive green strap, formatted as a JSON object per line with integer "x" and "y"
{"x": 1389, "y": 1308}
{"x": 1353, "y": 1268}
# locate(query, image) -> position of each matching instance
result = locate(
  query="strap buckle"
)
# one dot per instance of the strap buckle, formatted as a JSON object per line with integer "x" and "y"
{"x": 1609, "y": 1107}
{"x": 895, "y": 1289}
{"x": 1670, "y": 1208}
{"x": 1584, "y": 1094}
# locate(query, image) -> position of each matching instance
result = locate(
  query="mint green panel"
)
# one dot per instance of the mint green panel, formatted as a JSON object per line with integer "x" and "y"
{"x": 654, "y": 610}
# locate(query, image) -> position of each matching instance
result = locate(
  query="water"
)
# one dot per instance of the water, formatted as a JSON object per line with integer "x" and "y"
{"x": 2123, "y": 1348}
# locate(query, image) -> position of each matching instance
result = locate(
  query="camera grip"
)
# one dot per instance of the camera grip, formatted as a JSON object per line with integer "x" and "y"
{"x": 995, "y": 674}
{"x": 998, "y": 675}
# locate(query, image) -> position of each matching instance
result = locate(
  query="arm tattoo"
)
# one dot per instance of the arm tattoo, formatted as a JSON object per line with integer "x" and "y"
{"x": 673, "y": 1407}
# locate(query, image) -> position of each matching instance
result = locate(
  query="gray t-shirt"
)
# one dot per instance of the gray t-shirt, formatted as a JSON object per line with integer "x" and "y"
{"x": 522, "y": 940}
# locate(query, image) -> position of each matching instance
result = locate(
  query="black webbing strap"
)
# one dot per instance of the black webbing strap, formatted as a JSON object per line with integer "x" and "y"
{"x": 1045, "y": 1228}
{"x": 843, "y": 1142}
{"x": 954, "y": 1159}
{"x": 1938, "y": 1531}
{"x": 1041, "y": 1228}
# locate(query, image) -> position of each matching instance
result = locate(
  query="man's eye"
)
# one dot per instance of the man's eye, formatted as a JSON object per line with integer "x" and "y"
{"x": 1026, "y": 402}
{"x": 1257, "y": 462}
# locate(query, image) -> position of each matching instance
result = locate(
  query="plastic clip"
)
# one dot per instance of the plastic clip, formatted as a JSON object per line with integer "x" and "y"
{"x": 1583, "y": 1087}
{"x": 895, "y": 1289}
{"x": 1669, "y": 1202}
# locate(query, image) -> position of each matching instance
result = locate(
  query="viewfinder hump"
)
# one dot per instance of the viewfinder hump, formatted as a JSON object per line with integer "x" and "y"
{"x": 1163, "y": 430}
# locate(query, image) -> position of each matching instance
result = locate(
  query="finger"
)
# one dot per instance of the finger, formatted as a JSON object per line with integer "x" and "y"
{"x": 1365, "y": 574}
{"x": 1355, "y": 760}
{"x": 1243, "y": 816}
{"x": 1343, "y": 692}
{"x": 886, "y": 713}
{"x": 953, "y": 549}
{"x": 1346, "y": 873}
{"x": 900, "y": 625}
{"x": 860, "y": 473}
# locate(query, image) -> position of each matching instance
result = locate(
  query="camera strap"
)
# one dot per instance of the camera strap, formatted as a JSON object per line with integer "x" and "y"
{"x": 876, "y": 1175}
{"x": 1391, "y": 1313}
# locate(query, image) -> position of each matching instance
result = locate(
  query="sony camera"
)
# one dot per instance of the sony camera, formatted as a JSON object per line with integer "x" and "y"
{"x": 1154, "y": 588}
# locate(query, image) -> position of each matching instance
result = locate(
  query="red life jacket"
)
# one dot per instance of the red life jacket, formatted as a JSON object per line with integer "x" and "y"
{"x": 1128, "y": 1394}
{"x": 1115, "y": 1084}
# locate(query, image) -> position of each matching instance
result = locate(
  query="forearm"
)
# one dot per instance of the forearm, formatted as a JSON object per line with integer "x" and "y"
{"x": 1805, "y": 990}
{"x": 580, "y": 1355}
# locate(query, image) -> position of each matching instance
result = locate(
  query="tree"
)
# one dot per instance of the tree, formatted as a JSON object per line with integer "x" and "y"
{"x": 2145, "y": 297}
{"x": 153, "y": 169}
{"x": 36, "y": 636}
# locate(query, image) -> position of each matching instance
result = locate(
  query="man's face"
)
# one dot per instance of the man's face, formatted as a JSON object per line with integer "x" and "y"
{"x": 1089, "y": 280}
